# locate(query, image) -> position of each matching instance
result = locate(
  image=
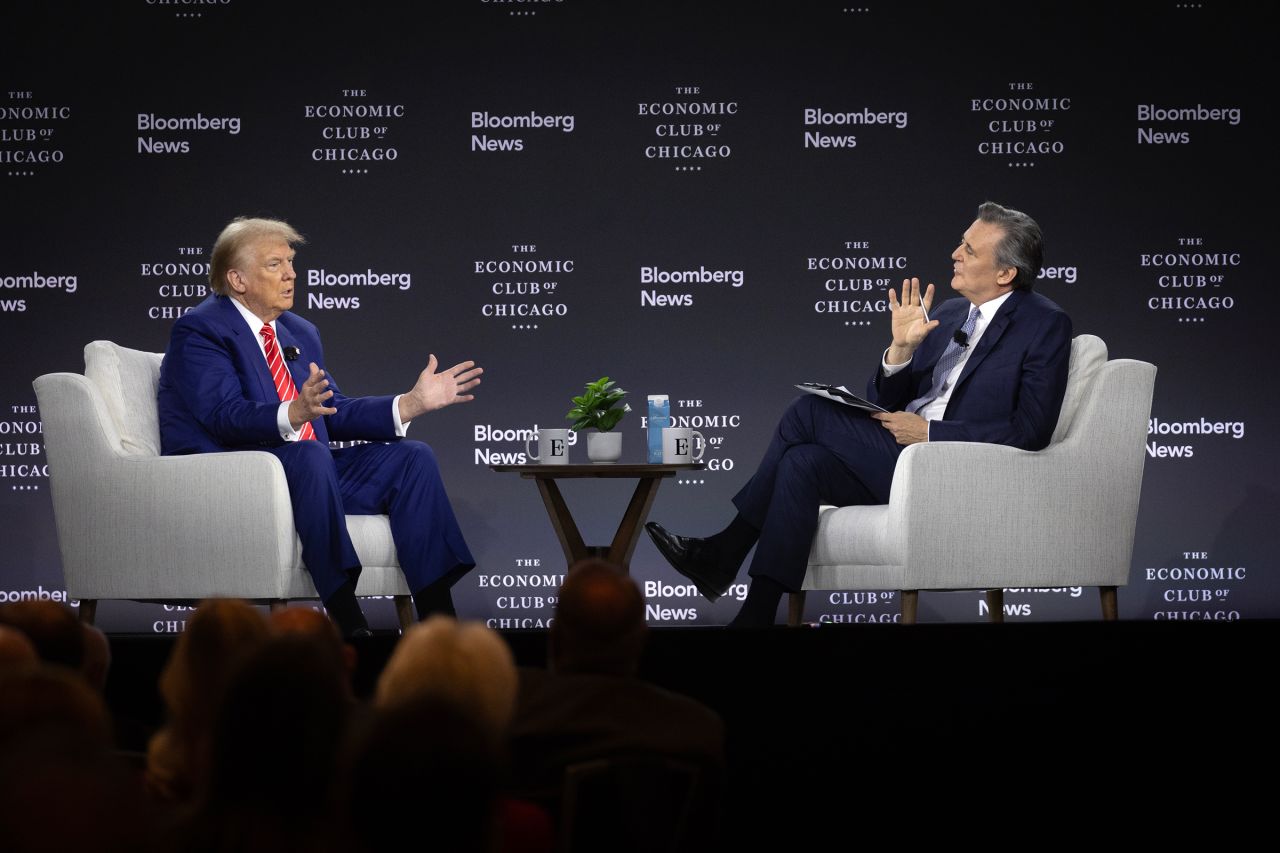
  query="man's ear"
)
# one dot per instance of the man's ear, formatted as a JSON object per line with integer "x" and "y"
{"x": 235, "y": 281}
{"x": 1005, "y": 277}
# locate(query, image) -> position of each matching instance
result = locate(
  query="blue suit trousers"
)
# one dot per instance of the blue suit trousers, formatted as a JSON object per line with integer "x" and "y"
{"x": 401, "y": 479}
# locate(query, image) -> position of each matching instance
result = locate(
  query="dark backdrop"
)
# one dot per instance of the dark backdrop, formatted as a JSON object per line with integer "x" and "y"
{"x": 1139, "y": 138}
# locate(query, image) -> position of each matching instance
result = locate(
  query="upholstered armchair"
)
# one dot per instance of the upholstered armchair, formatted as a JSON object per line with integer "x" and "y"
{"x": 964, "y": 515}
{"x": 133, "y": 524}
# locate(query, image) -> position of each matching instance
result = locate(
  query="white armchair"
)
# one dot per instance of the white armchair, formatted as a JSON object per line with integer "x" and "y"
{"x": 966, "y": 515}
{"x": 133, "y": 524}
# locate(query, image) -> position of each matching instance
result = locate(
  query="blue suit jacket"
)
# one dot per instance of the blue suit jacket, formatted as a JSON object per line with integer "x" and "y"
{"x": 1011, "y": 388}
{"x": 216, "y": 392}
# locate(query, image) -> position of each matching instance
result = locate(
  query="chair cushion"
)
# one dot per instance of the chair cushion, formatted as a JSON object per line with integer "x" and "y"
{"x": 127, "y": 380}
{"x": 1088, "y": 353}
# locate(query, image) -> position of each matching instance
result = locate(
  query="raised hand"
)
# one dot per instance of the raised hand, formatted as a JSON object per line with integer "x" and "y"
{"x": 435, "y": 390}
{"x": 909, "y": 319}
{"x": 310, "y": 402}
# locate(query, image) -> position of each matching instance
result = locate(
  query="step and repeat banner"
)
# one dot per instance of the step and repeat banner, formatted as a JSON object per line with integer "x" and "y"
{"x": 707, "y": 200}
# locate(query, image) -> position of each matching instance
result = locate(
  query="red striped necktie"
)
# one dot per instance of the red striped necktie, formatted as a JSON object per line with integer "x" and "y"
{"x": 280, "y": 375}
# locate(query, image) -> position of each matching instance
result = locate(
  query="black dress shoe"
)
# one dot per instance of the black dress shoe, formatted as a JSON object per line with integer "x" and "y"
{"x": 360, "y": 634}
{"x": 696, "y": 559}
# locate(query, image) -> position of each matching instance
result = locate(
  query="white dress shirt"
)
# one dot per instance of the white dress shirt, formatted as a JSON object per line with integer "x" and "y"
{"x": 936, "y": 408}
{"x": 287, "y": 432}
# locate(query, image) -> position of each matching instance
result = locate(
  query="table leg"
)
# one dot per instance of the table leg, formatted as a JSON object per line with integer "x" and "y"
{"x": 562, "y": 520}
{"x": 624, "y": 541}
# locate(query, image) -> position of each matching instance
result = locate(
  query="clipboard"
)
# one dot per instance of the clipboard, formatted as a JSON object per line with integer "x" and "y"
{"x": 839, "y": 394}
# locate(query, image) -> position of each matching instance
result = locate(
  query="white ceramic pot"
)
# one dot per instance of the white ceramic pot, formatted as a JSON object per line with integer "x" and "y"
{"x": 604, "y": 447}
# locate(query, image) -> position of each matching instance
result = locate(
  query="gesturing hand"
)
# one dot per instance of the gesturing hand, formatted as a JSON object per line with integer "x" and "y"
{"x": 436, "y": 390}
{"x": 909, "y": 319}
{"x": 310, "y": 402}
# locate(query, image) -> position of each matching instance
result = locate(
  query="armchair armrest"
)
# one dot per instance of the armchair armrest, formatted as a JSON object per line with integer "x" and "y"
{"x": 974, "y": 514}
{"x": 125, "y": 521}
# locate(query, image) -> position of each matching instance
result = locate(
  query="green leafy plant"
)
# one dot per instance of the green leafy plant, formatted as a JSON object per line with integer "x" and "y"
{"x": 596, "y": 407}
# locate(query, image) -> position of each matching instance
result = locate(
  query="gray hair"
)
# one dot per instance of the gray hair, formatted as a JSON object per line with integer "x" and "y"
{"x": 1022, "y": 246}
{"x": 241, "y": 233}
{"x": 465, "y": 664}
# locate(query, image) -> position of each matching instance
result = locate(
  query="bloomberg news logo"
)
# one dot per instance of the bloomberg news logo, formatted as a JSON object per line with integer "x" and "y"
{"x": 152, "y": 124}
{"x": 687, "y": 280}
{"x": 1181, "y": 439}
{"x": 1182, "y": 118}
{"x": 31, "y": 285}
{"x": 507, "y": 445}
{"x": 827, "y": 119}
{"x": 11, "y": 596}
{"x": 329, "y": 290}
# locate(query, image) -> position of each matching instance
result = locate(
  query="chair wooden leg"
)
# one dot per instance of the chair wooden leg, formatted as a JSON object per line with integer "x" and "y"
{"x": 1110, "y": 606}
{"x": 404, "y": 612}
{"x": 795, "y": 608}
{"x": 88, "y": 610}
{"x": 995, "y": 605}
{"x": 910, "y": 599}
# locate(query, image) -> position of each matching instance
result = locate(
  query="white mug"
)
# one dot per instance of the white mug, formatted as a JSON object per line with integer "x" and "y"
{"x": 553, "y": 447}
{"x": 677, "y": 445}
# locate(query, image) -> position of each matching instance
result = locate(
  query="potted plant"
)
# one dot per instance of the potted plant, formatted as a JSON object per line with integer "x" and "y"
{"x": 598, "y": 408}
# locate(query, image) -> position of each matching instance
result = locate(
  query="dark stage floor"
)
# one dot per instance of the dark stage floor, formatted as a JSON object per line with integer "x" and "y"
{"x": 865, "y": 733}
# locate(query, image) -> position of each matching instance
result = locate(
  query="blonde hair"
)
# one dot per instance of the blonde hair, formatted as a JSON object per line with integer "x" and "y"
{"x": 241, "y": 233}
{"x": 466, "y": 664}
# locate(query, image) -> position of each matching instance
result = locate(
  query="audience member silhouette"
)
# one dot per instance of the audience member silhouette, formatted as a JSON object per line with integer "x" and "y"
{"x": 443, "y": 669}
{"x": 16, "y": 651}
{"x": 96, "y": 665}
{"x": 218, "y": 636}
{"x": 51, "y": 627}
{"x": 591, "y": 705}
{"x": 61, "y": 785}
{"x": 428, "y": 768}
{"x": 304, "y": 621}
{"x": 465, "y": 663}
{"x": 276, "y": 741}
{"x": 264, "y": 749}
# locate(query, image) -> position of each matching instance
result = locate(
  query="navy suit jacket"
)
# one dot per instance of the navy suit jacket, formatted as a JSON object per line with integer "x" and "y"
{"x": 216, "y": 392}
{"x": 1010, "y": 391}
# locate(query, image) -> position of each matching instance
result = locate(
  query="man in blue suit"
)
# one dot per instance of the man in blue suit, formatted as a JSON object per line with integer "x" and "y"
{"x": 989, "y": 367}
{"x": 244, "y": 373}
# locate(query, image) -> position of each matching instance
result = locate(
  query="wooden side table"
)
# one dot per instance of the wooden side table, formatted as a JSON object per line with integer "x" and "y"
{"x": 648, "y": 478}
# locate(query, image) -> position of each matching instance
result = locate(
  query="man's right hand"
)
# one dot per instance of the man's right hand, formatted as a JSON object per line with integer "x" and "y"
{"x": 908, "y": 320}
{"x": 310, "y": 402}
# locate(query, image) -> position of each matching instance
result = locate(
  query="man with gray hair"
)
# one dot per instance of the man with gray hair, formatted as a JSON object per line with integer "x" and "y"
{"x": 464, "y": 664}
{"x": 242, "y": 372}
{"x": 989, "y": 367}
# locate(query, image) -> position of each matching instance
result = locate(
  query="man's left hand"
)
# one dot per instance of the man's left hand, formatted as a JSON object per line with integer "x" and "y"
{"x": 906, "y": 427}
{"x": 436, "y": 390}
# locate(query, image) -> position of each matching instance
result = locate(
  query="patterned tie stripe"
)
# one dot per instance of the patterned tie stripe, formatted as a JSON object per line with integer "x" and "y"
{"x": 285, "y": 388}
{"x": 950, "y": 357}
